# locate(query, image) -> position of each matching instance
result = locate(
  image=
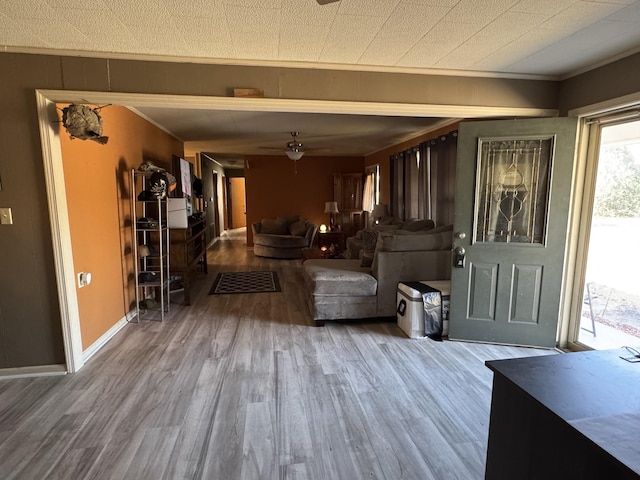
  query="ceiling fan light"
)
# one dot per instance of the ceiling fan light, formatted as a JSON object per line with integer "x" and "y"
{"x": 294, "y": 154}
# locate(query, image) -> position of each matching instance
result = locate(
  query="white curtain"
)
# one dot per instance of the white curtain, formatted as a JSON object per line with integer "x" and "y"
{"x": 367, "y": 197}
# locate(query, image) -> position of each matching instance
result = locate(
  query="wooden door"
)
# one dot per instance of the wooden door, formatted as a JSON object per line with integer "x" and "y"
{"x": 238, "y": 202}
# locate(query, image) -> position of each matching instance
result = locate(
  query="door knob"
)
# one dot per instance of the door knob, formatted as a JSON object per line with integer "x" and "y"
{"x": 460, "y": 235}
{"x": 458, "y": 257}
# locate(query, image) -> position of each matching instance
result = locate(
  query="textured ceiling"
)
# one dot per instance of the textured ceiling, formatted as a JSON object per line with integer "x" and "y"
{"x": 546, "y": 38}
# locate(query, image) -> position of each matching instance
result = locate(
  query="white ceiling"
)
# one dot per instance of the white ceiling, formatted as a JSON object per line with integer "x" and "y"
{"x": 228, "y": 135}
{"x": 541, "y": 37}
{"x": 546, "y": 38}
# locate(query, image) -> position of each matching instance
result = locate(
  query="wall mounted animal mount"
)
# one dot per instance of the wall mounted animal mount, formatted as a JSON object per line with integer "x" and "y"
{"x": 83, "y": 122}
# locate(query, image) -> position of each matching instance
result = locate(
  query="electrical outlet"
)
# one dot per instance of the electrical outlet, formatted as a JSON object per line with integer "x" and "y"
{"x": 84, "y": 279}
{"x": 5, "y": 216}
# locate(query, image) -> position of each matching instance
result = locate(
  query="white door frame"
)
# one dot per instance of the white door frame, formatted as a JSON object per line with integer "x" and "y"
{"x": 585, "y": 173}
{"x": 54, "y": 175}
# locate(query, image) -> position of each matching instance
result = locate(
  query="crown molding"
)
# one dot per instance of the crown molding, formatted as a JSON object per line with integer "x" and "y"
{"x": 294, "y": 105}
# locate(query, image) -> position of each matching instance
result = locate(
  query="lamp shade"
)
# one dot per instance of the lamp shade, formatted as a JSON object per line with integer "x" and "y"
{"x": 379, "y": 211}
{"x": 331, "y": 207}
{"x": 294, "y": 154}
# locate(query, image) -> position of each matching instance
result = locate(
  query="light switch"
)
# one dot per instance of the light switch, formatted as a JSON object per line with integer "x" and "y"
{"x": 5, "y": 216}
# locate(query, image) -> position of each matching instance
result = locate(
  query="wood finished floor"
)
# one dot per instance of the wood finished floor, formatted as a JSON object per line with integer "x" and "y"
{"x": 245, "y": 387}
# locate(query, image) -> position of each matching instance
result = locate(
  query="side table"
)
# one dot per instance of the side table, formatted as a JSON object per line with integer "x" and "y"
{"x": 325, "y": 239}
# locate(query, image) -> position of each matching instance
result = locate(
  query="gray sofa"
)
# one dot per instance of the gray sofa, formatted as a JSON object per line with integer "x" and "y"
{"x": 282, "y": 237}
{"x": 345, "y": 289}
{"x": 354, "y": 244}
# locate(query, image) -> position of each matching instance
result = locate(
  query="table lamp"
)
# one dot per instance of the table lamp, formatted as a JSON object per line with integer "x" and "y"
{"x": 378, "y": 212}
{"x": 331, "y": 208}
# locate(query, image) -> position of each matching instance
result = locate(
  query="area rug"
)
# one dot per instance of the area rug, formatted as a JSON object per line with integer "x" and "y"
{"x": 245, "y": 282}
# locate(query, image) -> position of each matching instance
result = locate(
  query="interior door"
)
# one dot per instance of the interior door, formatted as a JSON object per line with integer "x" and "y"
{"x": 215, "y": 226}
{"x": 238, "y": 203}
{"x": 513, "y": 193}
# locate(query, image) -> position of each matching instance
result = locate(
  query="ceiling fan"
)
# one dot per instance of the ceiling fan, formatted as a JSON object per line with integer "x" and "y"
{"x": 294, "y": 149}
{"x": 324, "y": 2}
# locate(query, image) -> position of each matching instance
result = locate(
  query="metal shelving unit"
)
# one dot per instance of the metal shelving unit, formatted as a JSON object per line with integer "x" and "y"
{"x": 151, "y": 263}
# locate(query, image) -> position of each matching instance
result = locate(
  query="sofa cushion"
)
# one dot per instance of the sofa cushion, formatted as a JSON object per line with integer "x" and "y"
{"x": 276, "y": 227}
{"x": 280, "y": 241}
{"x": 405, "y": 241}
{"x": 298, "y": 228}
{"x": 338, "y": 277}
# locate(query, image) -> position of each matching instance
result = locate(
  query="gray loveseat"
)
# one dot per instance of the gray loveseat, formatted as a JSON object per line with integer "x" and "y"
{"x": 345, "y": 289}
{"x": 282, "y": 237}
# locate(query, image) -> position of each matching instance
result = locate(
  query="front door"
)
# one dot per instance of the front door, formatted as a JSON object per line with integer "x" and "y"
{"x": 513, "y": 193}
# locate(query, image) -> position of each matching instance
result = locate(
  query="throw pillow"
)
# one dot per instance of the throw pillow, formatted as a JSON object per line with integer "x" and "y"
{"x": 273, "y": 227}
{"x": 369, "y": 240}
{"x": 289, "y": 220}
{"x": 386, "y": 228}
{"x": 442, "y": 228}
{"x": 417, "y": 225}
{"x": 388, "y": 221}
{"x": 298, "y": 229}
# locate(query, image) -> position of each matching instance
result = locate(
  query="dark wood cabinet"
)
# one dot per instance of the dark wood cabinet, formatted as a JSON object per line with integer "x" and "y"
{"x": 325, "y": 239}
{"x": 348, "y": 189}
{"x": 573, "y": 415}
{"x": 188, "y": 252}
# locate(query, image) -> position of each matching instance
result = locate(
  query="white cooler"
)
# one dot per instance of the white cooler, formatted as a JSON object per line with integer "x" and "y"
{"x": 410, "y": 307}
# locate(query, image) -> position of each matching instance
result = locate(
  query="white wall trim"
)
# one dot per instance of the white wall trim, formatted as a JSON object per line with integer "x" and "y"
{"x": 580, "y": 216}
{"x": 54, "y": 174}
{"x": 295, "y": 105}
{"x": 36, "y": 371}
{"x": 60, "y": 232}
{"x": 608, "y": 106}
{"x": 108, "y": 335}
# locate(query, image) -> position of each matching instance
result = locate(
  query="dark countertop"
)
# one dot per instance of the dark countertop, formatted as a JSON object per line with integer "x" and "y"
{"x": 595, "y": 392}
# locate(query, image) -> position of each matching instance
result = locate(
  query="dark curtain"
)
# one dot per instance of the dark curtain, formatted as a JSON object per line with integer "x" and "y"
{"x": 423, "y": 180}
{"x": 443, "y": 151}
{"x": 397, "y": 185}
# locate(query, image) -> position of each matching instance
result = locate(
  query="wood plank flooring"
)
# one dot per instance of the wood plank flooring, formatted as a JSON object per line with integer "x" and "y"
{"x": 245, "y": 387}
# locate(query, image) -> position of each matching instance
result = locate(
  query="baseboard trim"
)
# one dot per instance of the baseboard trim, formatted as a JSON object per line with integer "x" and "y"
{"x": 108, "y": 335}
{"x": 34, "y": 371}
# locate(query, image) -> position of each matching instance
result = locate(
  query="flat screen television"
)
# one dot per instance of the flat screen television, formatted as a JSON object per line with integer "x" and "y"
{"x": 183, "y": 171}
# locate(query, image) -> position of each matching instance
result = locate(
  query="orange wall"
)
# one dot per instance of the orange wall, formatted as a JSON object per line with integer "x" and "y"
{"x": 382, "y": 158}
{"x": 274, "y": 189}
{"x": 98, "y": 179}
